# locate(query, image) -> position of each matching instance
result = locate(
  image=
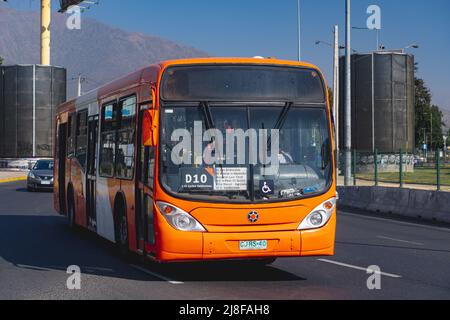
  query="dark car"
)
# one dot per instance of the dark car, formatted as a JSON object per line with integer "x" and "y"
{"x": 41, "y": 176}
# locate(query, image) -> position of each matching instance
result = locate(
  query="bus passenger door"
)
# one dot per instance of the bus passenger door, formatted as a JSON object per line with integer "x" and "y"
{"x": 62, "y": 158}
{"x": 91, "y": 173}
{"x": 144, "y": 192}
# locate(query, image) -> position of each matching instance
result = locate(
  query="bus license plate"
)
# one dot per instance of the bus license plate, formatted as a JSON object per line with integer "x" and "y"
{"x": 253, "y": 245}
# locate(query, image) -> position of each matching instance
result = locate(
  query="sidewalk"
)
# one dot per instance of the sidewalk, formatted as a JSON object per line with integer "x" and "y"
{"x": 367, "y": 183}
{"x": 10, "y": 176}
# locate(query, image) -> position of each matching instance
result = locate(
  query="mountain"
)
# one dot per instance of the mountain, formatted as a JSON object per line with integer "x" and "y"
{"x": 99, "y": 52}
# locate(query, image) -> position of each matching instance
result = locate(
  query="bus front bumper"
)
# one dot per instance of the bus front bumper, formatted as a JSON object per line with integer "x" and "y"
{"x": 180, "y": 246}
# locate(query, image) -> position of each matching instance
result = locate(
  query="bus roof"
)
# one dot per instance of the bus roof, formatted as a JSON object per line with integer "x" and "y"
{"x": 236, "y": 60}
{"x": 150, "y": 73}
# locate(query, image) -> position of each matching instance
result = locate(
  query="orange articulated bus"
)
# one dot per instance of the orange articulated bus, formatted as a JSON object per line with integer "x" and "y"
{"x": 203, "y": 159}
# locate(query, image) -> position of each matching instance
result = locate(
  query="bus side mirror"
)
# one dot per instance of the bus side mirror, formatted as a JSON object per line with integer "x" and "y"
{"x": 150, "y": 128}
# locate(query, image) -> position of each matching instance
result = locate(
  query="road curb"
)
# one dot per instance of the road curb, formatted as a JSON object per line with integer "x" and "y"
{"x": 13, "y": 179}
{"x": 422, "y": 204}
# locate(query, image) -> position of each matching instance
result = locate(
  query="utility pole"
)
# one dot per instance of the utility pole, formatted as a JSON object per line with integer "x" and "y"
{"x": 445, "y": 149}
{"x": 80, "y": 80}
{"x": 299, "y": 32}
{"x": 46, "y": 14}
{"x": 336, "y": 93}
{"x": 79, "y": 86}
{"x": 348, "y": 103}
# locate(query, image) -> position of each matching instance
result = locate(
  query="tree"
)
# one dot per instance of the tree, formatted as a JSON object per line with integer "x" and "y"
{"x": 1, "y": 60}
{"x": 437, "y": 124}
{"x": 422, "y": 108}
{"x": 448, "y": 138}
{"x": 429, "y": 118}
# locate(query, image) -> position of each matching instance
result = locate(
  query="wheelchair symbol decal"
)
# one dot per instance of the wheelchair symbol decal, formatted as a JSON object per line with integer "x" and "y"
{"x": 267, "y": 187}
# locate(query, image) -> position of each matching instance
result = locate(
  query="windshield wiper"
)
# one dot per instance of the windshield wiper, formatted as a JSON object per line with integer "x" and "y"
{"x": 280, "y": 121}
{"x": 209, "y": 123}
{"x": 282, "y": 118}
{"x": 207, "y": 114}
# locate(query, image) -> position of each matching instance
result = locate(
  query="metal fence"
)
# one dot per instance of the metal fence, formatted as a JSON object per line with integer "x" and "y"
{"x": 430, "y": 171}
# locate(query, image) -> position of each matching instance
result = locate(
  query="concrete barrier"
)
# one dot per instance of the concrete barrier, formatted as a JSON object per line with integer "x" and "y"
{"x": 428, "y": 205}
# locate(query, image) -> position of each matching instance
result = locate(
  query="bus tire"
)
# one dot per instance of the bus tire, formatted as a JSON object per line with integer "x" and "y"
{"x": 122, "y": 233}
{"x": 71, "y": 212}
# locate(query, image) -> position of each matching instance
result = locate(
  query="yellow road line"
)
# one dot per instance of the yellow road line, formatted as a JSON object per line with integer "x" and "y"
{"x": 13, "y": 179}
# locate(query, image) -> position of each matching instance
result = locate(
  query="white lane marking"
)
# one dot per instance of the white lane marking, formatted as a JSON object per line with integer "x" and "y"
{"x": 343, "y": 213}
{"x": 399, "y": 240}
{"x": 157, "y": 275}
{"x": 24, "y": 266}
{"x": 359, "y": 268}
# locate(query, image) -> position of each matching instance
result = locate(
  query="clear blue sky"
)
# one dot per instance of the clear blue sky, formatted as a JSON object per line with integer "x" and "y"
{"x": 268, "y": 28}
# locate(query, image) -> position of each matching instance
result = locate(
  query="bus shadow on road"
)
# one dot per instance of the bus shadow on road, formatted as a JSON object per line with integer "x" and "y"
{"x": 45, "y": 243}
{"x": 221, "y": 271}
{"x": 24, "y": 190}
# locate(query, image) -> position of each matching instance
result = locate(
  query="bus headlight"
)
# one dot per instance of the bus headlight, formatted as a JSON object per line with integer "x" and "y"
{"x": 178, "y": 218}
{"x": 319, "y": 216}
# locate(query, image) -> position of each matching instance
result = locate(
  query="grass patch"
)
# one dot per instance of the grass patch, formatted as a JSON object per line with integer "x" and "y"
{"x": 419, "y": 176}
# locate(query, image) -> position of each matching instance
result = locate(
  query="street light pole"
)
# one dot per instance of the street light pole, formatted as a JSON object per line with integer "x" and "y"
{"x": 377, "y": 35}
{"x": 330, "y": 45}
{"x": 336, "y": 93}
{"x": 348, "y": 103}
{"x": 299, "y": 30}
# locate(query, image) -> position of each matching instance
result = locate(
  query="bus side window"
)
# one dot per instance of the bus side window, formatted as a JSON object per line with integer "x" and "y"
{"x": 108, "y": 140}
{"x": 126, "y": 138}
{"x": 71, "y": 136}
{"x": 81, "y": 138}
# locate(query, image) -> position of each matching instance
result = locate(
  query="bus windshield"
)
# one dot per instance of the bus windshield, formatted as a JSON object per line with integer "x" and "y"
{"x": 44, "y": 165}
{"x": 245, "y": 153}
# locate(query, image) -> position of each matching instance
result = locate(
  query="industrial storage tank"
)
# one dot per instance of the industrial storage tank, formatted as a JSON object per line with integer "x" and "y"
{"x": 29, "y": 96}
{"x": 382, "y": 102}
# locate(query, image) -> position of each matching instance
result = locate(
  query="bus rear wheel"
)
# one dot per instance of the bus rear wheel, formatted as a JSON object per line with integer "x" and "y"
{"x": 71, "y": 214}
{"x": 122, "y": 235}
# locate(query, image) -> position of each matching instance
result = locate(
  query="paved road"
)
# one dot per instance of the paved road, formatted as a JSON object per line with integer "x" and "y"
{"x": 36, "y": 247}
